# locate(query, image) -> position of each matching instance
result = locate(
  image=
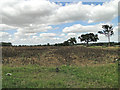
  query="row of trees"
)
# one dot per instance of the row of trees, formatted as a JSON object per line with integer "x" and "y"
{"x": 90, "y": 37}
{"x": 5, "y": 44}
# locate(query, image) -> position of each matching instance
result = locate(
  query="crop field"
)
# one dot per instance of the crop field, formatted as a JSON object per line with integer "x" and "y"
{"x": 79, "y": 67}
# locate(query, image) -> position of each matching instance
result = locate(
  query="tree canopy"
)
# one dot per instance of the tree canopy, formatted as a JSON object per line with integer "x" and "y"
{"x": 108, "y": 31}
{"x": 72, "y": 41}
{"x": 90, "y": 37}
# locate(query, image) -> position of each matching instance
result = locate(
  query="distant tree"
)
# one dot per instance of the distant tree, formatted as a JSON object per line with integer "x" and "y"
{"x": 88, "y": 38}
{"x": 20, "y": 46}
{"x": 39, "y": 45}
{"x": 108, "y": 31}
{"x": 5, "y": 44}
{"x": 65, "y": 43}
{"x": 72, "y": 41}
{"x": 48, "y": 44}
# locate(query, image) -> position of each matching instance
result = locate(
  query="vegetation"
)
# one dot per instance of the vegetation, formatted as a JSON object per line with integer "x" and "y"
{"x": 72, "y": 41}
{"x": 34, "y": 76}
{"x": 88, "y": 38}
{"x": 5, "y": 44}
{"x": 108, "y": 31}
{"x": 53, "y": 56}
{"x": 69, "y": 42}
{"x": 79, "y": 67}
{"x": 69, "y": 66}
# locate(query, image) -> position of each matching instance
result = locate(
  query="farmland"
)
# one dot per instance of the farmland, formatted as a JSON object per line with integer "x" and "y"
{"x": 80, "y": 67}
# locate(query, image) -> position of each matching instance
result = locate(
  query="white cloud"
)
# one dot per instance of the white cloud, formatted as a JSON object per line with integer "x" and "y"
{"x": 47, "y": 35}
{"x": 4, "y": 36}
{"x": 61, "y": 35}
{"x": 71, "y": 35}
{"x": 33, "y": 16}
{"x": 35, "y": 28}
{"x": 90, "y": 13}
{"x": 22, "y": 13}
{"x": 105, "y": 12}
{"x": 78, "y": 28}
{"x": 119, "y": 8}
{"x": 4, "y": 27}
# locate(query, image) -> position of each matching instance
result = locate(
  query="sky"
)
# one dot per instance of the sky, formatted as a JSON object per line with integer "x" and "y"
{"x": 33, "y": 22}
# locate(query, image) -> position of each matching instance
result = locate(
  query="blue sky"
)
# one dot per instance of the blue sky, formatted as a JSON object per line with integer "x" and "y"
{"x": 79, "y": 0}
{"x": 39, "y": 21}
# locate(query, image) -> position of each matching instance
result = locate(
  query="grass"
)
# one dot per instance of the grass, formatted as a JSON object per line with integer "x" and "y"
{"x": 34, "y": 76}
{"x": 106, "y": 47}
{"x": 80, "y": 67}
{"x": 52, "y": 56}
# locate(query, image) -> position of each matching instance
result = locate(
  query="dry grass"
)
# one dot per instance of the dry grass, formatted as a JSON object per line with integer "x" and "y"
{"x": 80, "y": 67}
{"x": 56, "y": 56}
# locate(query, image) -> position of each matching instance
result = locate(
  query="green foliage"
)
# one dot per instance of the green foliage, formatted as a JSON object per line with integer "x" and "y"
{"x": 72, "y": 41}
{"x": 108, "y": 31}
{"x": 69, "y": 42}
{"x": 48, "y": 44}
{"x": 5, "y": 44}
{"x": 66, "y": 43}
{"x": 88, "y": 38}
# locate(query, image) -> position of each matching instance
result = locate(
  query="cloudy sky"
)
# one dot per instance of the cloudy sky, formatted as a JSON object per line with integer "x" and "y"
{"x": 47, "y": 21}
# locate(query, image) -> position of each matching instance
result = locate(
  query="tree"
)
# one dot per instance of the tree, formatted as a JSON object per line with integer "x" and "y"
{"x": 88, "y": 38}
{"x": 108, "y": 31}
{"x": 48, "y": 44}
{"x": 72, "y": 41}
{"x": 65, "y": 43}
{"x": 5, "y": 44}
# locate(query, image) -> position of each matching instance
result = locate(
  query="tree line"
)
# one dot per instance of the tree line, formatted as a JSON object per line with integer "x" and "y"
{"x": 5, "y": 44}
{"x": 89, "y": 37}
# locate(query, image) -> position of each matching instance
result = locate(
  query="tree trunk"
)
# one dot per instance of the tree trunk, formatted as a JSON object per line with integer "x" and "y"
{"x": 108, "y": 40}
{"x": 87, "y": 43}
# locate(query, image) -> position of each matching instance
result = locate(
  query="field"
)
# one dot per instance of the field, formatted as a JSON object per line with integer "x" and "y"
{"x": 79, "y": 67}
